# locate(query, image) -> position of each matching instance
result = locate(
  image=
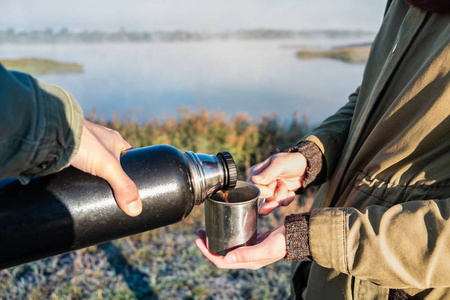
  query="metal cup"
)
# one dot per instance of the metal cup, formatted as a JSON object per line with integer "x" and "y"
{"x": 233, "y": 224}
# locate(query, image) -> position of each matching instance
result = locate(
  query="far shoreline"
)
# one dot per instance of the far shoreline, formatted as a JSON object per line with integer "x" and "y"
{"x": 41, "y": 66}
{"x": 352, "y": 54}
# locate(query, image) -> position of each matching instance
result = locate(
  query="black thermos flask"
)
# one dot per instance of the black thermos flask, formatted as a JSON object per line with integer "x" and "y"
{"x": 70, "y": 210}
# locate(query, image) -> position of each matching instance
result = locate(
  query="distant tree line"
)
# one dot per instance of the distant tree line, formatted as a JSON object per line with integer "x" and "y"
{"x": 65, "y": 35}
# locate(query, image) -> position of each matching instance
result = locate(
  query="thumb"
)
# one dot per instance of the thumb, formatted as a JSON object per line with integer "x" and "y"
{"x": 125, "y": 190}
{"x": 271, "y": 248}
{"x": 238, "y": 256}
{"x": 249, "y": 254}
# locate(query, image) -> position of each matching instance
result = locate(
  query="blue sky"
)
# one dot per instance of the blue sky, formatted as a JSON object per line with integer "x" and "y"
{"x": 193, "y": 15}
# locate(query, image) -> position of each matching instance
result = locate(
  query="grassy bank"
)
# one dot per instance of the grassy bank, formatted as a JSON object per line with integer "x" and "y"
{"x": 351, "y": 54}
{"x": 40, "y": 66}
{"x": 165, "y": 263}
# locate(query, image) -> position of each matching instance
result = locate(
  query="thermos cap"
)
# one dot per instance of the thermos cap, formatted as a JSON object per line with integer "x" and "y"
{"x": 230, "y": 165}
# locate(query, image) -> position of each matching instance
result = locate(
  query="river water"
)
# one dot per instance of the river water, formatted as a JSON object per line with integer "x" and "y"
{"x": 253, "y": 77}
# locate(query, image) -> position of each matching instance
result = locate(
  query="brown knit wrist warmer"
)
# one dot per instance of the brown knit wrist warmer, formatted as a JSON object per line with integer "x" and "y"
{"x": 316, "y": 168}
{"x": 297, "y": 237}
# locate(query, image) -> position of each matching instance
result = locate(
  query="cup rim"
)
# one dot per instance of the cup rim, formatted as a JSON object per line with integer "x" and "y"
{"x": 256, "y": 198}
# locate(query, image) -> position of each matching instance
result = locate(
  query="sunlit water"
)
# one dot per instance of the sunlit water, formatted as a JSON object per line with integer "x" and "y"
{"x": 252, "y": 77}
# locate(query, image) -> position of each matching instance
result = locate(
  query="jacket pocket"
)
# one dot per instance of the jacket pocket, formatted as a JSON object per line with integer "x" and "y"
{"x": 363, "y": 191}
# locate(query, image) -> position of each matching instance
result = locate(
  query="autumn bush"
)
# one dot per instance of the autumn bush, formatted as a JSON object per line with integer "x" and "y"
{"x": 199, "y": 130}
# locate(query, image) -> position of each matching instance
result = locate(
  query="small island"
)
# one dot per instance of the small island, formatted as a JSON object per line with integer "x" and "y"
{"x": 41, "y": 66}
{"x": 357, "y": 54}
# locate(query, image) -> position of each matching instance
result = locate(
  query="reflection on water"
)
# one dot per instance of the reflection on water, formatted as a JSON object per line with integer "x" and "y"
{"x": 253, "y": 77}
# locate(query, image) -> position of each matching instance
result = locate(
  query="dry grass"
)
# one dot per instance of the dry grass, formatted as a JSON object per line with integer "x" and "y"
{"x": 40, "y": 66}
{"x": 353, "y": 55}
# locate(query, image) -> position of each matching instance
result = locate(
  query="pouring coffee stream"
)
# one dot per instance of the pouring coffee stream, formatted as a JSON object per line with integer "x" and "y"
{"x": 225, "y": 195}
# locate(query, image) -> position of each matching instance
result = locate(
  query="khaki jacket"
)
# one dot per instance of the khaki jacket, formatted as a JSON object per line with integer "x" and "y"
{"x": 41, "y": 126}
{"x": 385, "y": 221}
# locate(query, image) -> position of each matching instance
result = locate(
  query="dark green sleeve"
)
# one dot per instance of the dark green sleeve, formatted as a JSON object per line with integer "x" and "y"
{"x": 41, "y": 126}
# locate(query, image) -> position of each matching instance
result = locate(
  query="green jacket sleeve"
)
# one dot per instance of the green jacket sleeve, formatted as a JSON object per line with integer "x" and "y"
{"x": 41, "y": 126}
{"x": 405, "y": 246}
{"x": 332, "y": 134}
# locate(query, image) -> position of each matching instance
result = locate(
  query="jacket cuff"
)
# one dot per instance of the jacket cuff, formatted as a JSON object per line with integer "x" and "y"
{"x": 316, "y": 166}
{"x": 297, "y": 237}
{"x": 326, "y": 238}
{"x": 62, "y": 119}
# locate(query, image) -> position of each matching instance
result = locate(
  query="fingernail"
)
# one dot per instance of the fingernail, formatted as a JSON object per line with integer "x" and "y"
{"x": 135, "y": 207}
{"x": 123, "y": 152}
{"x": 256, "y": 178}
{"x": 231, "y": 258}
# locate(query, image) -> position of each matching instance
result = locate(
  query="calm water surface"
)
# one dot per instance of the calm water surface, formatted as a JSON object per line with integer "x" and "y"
{"x": 252, "y": 77}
